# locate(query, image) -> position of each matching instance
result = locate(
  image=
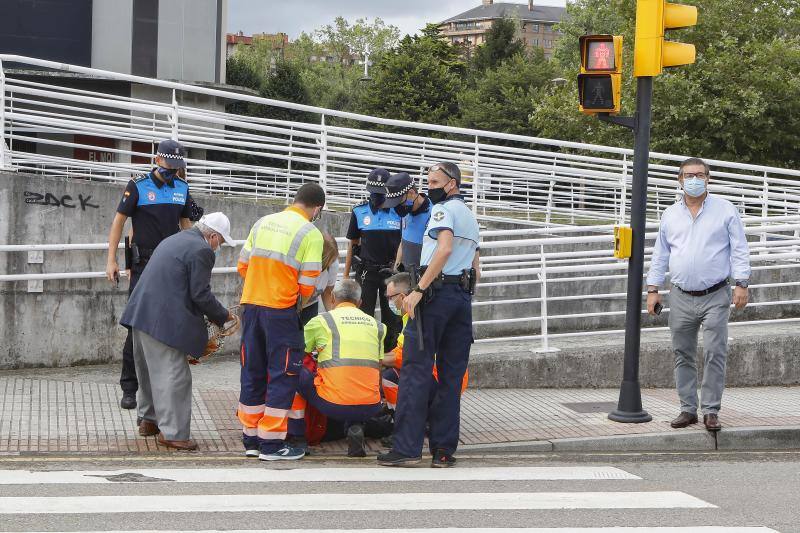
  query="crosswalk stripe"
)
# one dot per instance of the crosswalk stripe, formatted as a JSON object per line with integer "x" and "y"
{"x": 348, "y": 502}
{"x": 264, "y": 475}
{"x": 693, "y": 529}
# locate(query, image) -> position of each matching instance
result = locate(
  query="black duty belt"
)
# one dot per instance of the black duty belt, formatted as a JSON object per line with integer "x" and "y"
{"x": 713, "y": 288}
{"x": 451, "y": 278}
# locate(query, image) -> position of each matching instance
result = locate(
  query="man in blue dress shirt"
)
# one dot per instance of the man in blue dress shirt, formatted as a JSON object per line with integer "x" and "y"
{"x": 449, "y": 271}
{"x": 702, "y": 241}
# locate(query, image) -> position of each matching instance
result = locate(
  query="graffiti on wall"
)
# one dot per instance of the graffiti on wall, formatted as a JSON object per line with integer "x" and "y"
{"x": 65, "y": 200}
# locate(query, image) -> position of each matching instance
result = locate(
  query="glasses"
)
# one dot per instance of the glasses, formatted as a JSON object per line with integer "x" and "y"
{"x": 395, "y": 295}
{"x": 701, "y": 175}
{"x": 434, "y": 168}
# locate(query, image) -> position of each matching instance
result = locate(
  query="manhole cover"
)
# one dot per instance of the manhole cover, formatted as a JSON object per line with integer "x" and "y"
{"x": 591, "y": 407}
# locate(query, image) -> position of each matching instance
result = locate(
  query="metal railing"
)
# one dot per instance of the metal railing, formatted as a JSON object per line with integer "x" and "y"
{"x": 527, "y": 180}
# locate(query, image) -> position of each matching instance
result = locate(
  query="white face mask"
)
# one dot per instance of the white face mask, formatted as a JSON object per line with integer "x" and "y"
{"x": 395, "y": 309}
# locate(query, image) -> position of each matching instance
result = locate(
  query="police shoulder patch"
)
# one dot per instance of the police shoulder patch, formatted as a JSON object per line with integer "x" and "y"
{"x": 137, "y": 179}
{"x": 438, "y": 216}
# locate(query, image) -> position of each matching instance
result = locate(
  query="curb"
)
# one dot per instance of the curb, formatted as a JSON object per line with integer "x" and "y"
{"x": 732, "y": 439}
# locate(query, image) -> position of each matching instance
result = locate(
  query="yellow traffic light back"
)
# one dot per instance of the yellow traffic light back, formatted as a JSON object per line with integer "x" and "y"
{"x": 600, "y": 80}
{"x": 651, "y": 53}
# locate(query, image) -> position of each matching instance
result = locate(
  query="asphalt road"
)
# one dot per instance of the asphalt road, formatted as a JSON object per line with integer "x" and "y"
{"x": 514, "y": 491}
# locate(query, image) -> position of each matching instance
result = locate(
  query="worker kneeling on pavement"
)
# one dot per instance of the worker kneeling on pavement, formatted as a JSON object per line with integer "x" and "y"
{"x": 397, "y": 288}
{"x": 348, "y": 344}
{"x": 166, "y": 313}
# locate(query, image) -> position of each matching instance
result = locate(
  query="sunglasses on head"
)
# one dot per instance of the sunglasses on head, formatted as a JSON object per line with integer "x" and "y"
{"x": 436, "y": 167}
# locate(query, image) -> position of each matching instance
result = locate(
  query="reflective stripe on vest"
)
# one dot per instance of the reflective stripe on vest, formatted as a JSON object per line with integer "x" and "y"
{"x": 335, "y": 350}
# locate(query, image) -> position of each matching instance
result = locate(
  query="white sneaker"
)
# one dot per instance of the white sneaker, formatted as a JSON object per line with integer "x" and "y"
{"x": 251, "y": 453}
{"x": 287, "y": 453}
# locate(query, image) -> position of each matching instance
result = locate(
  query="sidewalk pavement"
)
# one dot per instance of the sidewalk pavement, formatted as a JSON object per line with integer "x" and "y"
{"x": 76, "y": 411}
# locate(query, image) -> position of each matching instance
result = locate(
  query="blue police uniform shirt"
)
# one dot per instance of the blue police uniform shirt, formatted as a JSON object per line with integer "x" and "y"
{"x": 454, "y": 215}
{"x": 379, "y": 232}
{"x": 414, "y": 225}
{"x": 155, "y": 208}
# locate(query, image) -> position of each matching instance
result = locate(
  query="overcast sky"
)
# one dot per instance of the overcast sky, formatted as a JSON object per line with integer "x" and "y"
{"x": 295, "y": 16}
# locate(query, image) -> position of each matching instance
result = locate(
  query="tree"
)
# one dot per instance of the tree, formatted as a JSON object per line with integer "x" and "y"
{"x": 503, "y": 99}
{"x": 502, "y": 42}
{"x": 417, "y": 81}
{"x": 360, "y": 39}
{"x": 739, "y": 101}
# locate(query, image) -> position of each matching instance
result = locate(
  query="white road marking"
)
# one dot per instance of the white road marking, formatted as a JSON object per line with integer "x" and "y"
{"x": 348, "y": 502}
{"x": 693, "y": 529}
{"x": 361, "y": 475}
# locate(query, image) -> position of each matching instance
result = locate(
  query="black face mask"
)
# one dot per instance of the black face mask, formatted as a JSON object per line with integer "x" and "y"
{"x": 376, "y": 200}
{"x": 437, "y": 195}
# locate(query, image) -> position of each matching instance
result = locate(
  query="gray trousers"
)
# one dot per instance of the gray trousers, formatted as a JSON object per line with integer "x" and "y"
{"x": 686, "y": 314}
{"x": 165, "y": 386}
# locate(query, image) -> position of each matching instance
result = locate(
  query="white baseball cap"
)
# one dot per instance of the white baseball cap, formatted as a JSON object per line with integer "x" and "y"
{"x": 219, "y": 223}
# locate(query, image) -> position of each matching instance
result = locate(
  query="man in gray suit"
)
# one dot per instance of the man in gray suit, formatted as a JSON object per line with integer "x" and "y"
{"x": 166, "y": 313}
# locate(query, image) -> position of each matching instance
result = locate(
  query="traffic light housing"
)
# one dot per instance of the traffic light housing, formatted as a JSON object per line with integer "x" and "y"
{"x": 651, "y": 52}
{"x": 600, "y": 79}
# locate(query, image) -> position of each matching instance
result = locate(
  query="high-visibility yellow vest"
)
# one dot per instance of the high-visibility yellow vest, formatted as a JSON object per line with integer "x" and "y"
{"x": 350, "y": 344}
{"x": 281, "y": 258}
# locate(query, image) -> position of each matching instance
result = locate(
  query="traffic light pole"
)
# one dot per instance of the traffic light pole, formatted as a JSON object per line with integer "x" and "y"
{"x": 629, "y": 409}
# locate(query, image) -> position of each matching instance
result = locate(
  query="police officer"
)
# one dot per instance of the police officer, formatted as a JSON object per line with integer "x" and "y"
{"x": 440, "y": 307}
{"x": 159, "y": 206}
{"x": 414, "y": 208}
{"x": 374, "y": 234}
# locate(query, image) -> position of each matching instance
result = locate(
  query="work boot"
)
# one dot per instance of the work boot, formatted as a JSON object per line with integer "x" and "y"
{"x": 442, "y": 459}
{"x": 128, "y": 400}
{"x": 387, "y": 442}
{"x": 684, "y": 419}
{"x": 355, "y": 441}
{"x": 392, "y": 458}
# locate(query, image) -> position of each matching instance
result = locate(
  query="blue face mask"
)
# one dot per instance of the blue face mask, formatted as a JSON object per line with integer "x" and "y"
{"x": 395, "y": 309}
{"x": 694, "y": 186}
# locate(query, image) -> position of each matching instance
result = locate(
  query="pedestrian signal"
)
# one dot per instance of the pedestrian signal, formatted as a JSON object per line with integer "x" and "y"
{"x": 651, "y": 52}
{"x": 600, "y": 80}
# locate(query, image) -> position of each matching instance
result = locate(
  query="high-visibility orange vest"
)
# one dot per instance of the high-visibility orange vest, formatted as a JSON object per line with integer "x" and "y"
{"x": 281, "y": 258}
{"x": 350, "y": 348}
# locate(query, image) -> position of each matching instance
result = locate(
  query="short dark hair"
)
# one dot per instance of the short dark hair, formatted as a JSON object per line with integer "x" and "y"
{"x": 310, "y": 195}
{"x": 694, "y": 161}
{"x": 452, "y": 171}
{"x": 402, "y": 279}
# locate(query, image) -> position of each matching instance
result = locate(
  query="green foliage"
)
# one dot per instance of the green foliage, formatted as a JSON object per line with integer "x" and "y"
{"x": 502, "y": 99}
{"x": 739, "y": 101}
{"x": 502, "y": 42}
{"x": 346, "y": 40}
{"x": 418, "y": 81}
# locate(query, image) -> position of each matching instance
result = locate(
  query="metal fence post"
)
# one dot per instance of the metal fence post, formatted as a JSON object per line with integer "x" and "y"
{"x": 323, "y": 157}
{"x": 289, "y": 164}
{"x": 764, "y": 213}
{"x": 174, "y": 118}
{"x": 623, "y": 196}
{"x": 5, "y": 154}
{"x": 475, "y": 179}
{"x": 545, "y": 348}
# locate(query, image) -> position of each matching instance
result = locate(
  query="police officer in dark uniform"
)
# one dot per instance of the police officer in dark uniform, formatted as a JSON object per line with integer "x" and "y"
{"x": 374, "y": 235}
{"x": 440, "y": 309}
{"x": 414, "y": 208}
{"x": 159, "y": 206}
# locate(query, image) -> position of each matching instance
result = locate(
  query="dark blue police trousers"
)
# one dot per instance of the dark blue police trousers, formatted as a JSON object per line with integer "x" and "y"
{"x": 447, "y": 332}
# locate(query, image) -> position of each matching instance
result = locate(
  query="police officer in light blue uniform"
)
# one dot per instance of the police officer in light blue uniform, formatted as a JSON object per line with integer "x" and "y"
{"x": 442, "y": 303}
{"x": 414, "y": 208}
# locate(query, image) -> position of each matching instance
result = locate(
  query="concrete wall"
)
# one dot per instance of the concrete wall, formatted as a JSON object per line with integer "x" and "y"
{"x": 188, "y": 48}
{"x": 76, "y": 321}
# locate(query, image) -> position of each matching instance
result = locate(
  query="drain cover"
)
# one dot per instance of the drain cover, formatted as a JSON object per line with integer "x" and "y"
{"x": 591, "y": 407}
{"x": 130, "y": 477}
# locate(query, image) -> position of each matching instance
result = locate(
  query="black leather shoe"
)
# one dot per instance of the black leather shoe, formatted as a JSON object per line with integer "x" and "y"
{"x": 442, "y": 459}
{"x": 684, "y": 419}
{"x": 355, "y": 441}
{"x": 392, "y": 458}
{"x": 128, "y": 400}
{"x": 711, "y": 422}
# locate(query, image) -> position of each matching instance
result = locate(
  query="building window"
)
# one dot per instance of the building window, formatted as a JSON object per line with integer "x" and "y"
{"x": 534, "y": 28}
{"x": 534, "y": 42}
{"x": 547, "y": 27}
{"x": 466, "y": 25}
{"x": 548, "y": 43}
